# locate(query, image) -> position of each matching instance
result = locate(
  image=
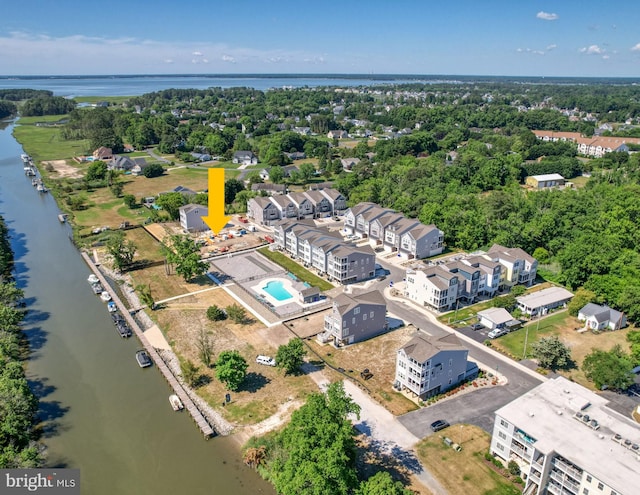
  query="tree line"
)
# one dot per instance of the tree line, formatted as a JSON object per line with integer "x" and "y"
{"x": 18, "y": 404}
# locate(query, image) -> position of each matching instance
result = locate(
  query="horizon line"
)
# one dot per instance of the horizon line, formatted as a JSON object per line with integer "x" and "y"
{"x": 294, "y": 75}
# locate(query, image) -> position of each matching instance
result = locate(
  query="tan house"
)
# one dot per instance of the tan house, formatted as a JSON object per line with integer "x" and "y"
{"x": 103, "y": 153}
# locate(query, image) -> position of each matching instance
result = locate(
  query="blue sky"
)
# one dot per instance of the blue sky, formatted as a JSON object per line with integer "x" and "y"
{"x": 466, "y": 37}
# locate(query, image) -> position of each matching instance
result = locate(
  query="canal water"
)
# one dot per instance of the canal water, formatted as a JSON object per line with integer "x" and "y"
{"x": 101, "y": 412}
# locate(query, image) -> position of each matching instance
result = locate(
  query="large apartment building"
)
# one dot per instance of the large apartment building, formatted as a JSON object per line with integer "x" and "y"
{"x": 568, "y": 442}
{"x": 596, "y": 146}
{"x": 325, "y": 251}
{"x": 297, "y": 205}
{"x": 441, "y": 286}
{"x": 393, "y": 232}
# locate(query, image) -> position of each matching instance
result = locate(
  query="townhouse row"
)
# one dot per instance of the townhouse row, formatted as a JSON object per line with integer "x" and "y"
{"x": 325, "y": 251}
{"x": 393, "y": 232}
{"x": 296, "y": 205}
{"x": 441, "y": 286}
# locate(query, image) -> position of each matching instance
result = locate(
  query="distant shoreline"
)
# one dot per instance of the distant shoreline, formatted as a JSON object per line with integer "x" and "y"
{"x": 442, "y": 78}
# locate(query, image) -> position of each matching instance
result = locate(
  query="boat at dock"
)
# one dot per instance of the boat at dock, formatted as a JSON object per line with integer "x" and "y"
{"x": 105, "y": 296}
{"x": 93, "y": 278}
{"x": 175, "y": 402}
{"x": 111, "y": 306}
{"x": 143, "y": 359}
{"x": 40, "y": 188}
{"x": 97, "y": 288}
{"x": 63, "y": 218}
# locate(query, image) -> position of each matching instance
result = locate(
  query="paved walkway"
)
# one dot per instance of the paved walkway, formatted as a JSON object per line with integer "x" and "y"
{"x": 187, "y": 294}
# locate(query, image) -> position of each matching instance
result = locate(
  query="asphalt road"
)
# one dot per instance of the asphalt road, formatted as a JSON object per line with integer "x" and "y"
{"x": 476, "y": 407}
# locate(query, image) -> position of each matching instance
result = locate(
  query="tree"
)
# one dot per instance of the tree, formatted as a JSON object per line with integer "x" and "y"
{"x": 144, "y": 293}
{"x": 315, "y": 453}
{"x": 205, "y": 347}
{"x": 130, "y": 201}
{"x": 290, "y": 356}
{"x": 231, "y": 188}
{"x": 609, "y": 368}
{"x": 513, "y": 468}
{"x": 231, "y": 369}
{"x": 171, "y": 203}
{"x": 185, "y": 254}
{"x": 237, "y": 313}
{"x": 117, "y": 188}
{"x": 382, "y": 483}
{"x": 551, "y": 353}
{"x": 153, "y": 170}
{"x": 307, "y": 171}
{"x": 189, "y": 372}
{"x": 581, "y": 298}
{"x": 121, "y": 251}
{"x": 214, "y": 313}
{"x": 507, "y": 302}
{"x": 276, "y": 175}
{"x": 96, "y": 171}
{"x": 517, "y": 290}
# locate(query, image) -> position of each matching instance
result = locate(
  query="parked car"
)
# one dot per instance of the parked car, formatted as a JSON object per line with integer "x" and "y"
{"x": 477, "y": 326}
{"x": 497, "y": 332}
{"x": 441, "y": 424}
{"x": 266, "y": 360}
{"x": 366, "y": 374}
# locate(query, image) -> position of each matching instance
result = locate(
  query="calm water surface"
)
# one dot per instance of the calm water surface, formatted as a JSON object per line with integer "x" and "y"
{"x": 102, "y": 413}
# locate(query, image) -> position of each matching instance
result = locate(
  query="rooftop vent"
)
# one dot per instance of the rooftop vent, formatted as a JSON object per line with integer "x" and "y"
{"x": 559, "y": 413}
{"x": 531, "y": 414}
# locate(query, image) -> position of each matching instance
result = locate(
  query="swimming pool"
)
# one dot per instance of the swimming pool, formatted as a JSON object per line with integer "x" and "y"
{"x": 276, "y": 290}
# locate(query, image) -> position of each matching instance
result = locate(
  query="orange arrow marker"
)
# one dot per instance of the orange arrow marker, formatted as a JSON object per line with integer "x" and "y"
{"x": 216, "y": 220}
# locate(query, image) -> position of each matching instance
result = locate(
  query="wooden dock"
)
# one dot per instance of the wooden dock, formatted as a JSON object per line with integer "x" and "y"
{"x": 177, "y": 387}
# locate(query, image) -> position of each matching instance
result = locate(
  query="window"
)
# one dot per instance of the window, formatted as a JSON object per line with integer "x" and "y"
{"x": 353, "y": 321}
{"x": 500, "y": 446}
{"x": 589, "y": 478}
{"x": 371, "y": 315}
{"x": 600, "y": 486}
{"x": 502, "y": 435}
{"x": 504, "y": 423}
{"x": 585, "y": 491}
{"x": 356, "y": 311}
{"x": 364, "y": 317}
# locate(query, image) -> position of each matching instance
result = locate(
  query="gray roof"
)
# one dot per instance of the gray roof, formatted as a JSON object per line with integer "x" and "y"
{"x": 346, "y": 302}
{"x": 496, "y": 315}
{"x": 544, "y": 297}
{"x": 601, "y": 313}
{"x": 192, "y": 206}
{"x": 423, "y": 347}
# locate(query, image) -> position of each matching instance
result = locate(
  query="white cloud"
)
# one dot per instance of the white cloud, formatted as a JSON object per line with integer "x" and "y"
{"x": 605, "y": 57}
{"x": 592, "y": 50}
{"x": 28, "y": 53}
{"x": 530, "y": 50}
{"x": 636, "y": 48}
{"x": 547, "y": 16}
{"x": 551, "y": 47}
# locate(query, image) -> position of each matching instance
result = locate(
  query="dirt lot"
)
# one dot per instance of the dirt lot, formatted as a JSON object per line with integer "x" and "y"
{"x": 62, "y": 169}
{"x": 377, "y": 354}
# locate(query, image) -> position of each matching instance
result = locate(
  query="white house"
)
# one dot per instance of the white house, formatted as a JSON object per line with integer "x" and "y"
{"x": 602, "y": 317}
{"x": 245, "y": 158}
{"x": 428, "y": 366}
{"x": 542, "y": 301}
{"x": 494, "y": 318}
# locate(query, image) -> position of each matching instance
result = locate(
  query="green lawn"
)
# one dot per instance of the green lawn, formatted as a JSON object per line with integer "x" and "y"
{"x": 41, "y": 118}
{"x": 534, "y": 330}
{"x": 46, "y": 143}
{"x": 299, "y": 271}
